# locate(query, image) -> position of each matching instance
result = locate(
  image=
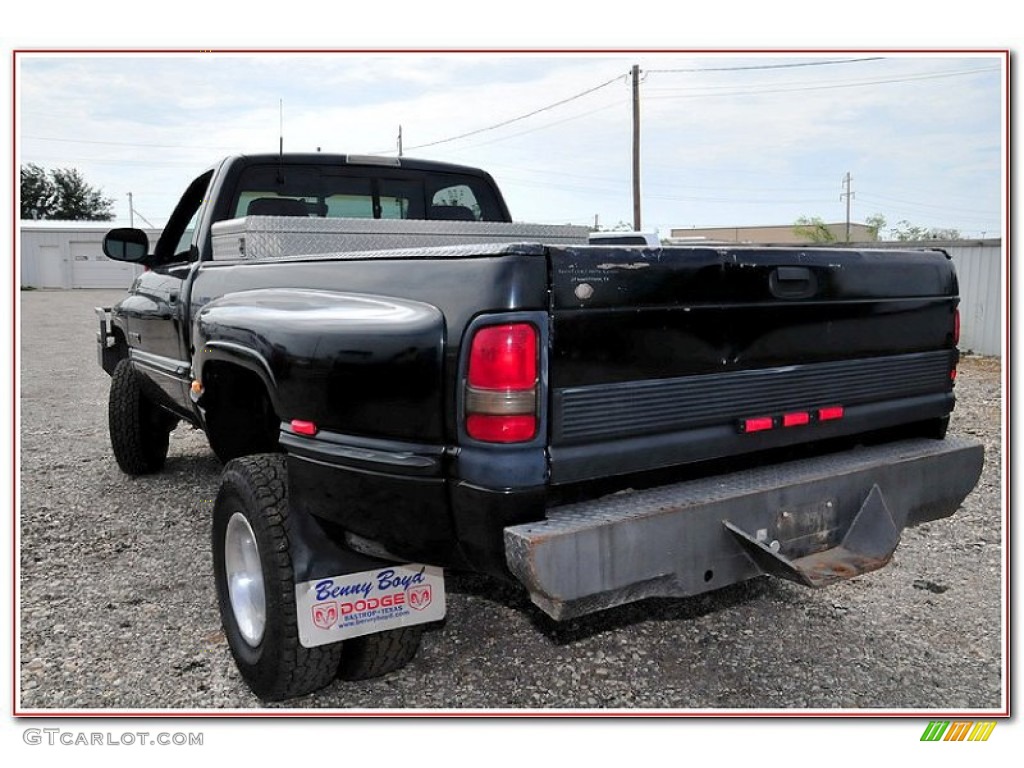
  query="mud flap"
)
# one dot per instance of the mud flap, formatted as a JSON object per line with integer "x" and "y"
{"x": 867, "y": 545}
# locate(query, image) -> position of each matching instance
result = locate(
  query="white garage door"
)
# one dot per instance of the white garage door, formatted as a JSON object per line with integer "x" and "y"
{"x": 91, "y": 269}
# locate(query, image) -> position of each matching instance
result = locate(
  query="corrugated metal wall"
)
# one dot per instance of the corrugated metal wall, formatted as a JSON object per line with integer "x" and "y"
{"x": 979, "y": 267}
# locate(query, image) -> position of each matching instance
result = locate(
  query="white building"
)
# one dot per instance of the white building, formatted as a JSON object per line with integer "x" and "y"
{"x": 69, "y": 254}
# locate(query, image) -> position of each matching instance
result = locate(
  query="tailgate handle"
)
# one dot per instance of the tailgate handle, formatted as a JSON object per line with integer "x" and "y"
{"x": 793, "y": 283}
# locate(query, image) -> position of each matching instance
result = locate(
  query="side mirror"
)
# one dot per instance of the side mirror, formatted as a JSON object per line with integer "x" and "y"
{"x": 126, "y": 245}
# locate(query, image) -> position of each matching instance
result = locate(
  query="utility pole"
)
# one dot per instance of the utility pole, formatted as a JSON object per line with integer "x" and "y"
{"x": 636, "y": 147}
{"x": 132, "y": 212}
{"x": 848, "y": 194}
{"x": 399, "y": 140}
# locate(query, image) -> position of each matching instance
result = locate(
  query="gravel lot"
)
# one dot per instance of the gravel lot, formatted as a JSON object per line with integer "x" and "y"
{"x": 118, "y": 608}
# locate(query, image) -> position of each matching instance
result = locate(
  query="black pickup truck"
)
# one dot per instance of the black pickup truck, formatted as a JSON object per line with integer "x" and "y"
{"x": 601, "y": 424}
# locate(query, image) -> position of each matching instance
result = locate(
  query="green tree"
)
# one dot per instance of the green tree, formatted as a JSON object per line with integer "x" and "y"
{"x": 37, "y": 193}
{"x": 876, "y": 223}
{"x": 61, "y": 193}
{"x": 814, "y": 229}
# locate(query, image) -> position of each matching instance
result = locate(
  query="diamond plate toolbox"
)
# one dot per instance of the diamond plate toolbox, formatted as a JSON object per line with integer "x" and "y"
{"x": 267, "y": 237}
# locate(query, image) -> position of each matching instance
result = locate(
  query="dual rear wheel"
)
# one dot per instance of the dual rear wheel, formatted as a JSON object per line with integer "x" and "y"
{"x": 252, "y": 553}
{"x": 255, "y": 581}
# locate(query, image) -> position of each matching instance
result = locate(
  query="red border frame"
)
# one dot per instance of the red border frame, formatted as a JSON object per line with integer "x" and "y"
{"x": 257, "y": 713}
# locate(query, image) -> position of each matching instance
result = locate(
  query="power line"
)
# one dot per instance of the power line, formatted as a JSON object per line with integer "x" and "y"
{"x": 801, "y": 83}
{"x": 767, "y": 66}
{"x": 830, "y": 86}
{"x": 533, "y": 130}
{"x": 123, "y": 143}
{"x": 511, "y": 120}
{"x": 949, "y": 208}
{"x": 30, "y": 157}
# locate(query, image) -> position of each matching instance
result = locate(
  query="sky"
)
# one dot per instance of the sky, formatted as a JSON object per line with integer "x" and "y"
{"x": 726, "y": 139}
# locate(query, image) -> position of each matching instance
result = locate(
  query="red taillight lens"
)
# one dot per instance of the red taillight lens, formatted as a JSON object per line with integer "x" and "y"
{"x": 501, "y": 384}
{"x": 504, "y": 357}
{"x": 956, "y": 327}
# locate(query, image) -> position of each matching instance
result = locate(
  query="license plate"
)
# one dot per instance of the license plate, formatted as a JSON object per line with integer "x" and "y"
{"x": 341, "y": 607}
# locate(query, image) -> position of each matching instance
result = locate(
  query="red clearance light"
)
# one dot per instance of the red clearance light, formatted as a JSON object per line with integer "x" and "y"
{"x": 831, "y": 413}
{"x": 952, "y": 375}
{"x": 301, "y": 427}
{"x": 759, "y": 424}
{"x": 796, "y": 419}
{"x": 501, "y": 384}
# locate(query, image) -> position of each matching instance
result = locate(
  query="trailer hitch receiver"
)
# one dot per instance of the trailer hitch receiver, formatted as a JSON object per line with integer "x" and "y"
{"x": 868, "y": 545}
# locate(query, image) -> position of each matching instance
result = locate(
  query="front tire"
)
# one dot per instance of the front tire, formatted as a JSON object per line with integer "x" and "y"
{"x": 261, "y": 625}
{"x": 139, "y": 429}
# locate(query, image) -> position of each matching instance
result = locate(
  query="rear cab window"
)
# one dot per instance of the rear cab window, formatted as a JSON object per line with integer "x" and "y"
{"x": 347, "y": 192}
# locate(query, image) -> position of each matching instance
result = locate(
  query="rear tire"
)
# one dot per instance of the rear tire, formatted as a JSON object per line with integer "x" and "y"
{"x": 275, "y": 664}
{"x": 139, "y": 429}
{"x": 380, "y": 653}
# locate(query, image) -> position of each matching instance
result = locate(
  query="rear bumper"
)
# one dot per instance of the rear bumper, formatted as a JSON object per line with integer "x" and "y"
{"x": 814, "y": 521}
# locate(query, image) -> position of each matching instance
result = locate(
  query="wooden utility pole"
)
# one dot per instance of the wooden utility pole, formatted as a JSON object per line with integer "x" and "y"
{"x": 848, "y": 194}
{"x": 636, "y": 148}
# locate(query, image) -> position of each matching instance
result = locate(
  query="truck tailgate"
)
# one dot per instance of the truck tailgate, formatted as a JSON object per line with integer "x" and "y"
{"x": 677, "y": 355}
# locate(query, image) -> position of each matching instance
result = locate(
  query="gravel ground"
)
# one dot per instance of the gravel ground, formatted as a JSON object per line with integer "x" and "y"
{"x": 118, "y": 608}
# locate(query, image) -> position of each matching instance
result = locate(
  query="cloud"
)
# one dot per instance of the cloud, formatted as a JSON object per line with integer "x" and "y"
{"x": 729, "y": 148}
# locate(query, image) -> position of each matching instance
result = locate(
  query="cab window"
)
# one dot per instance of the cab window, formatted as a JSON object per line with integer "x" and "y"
{"x": 355, "y": 192}
{"x": 175, "y": 241}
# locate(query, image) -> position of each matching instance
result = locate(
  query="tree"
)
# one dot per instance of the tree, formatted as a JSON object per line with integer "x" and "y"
{"x": 905, "y": 231}
{"x": 876, "y": 223}
{"x": 620, "y": 226}
{"x": 814, "y": 229}
{"x": 37, "y": 193}
{"x": 61, "y": 193}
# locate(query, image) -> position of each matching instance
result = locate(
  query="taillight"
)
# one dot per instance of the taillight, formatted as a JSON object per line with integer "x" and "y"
{"x": 956, "y": 327}
{"x": 501, "y": 384}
